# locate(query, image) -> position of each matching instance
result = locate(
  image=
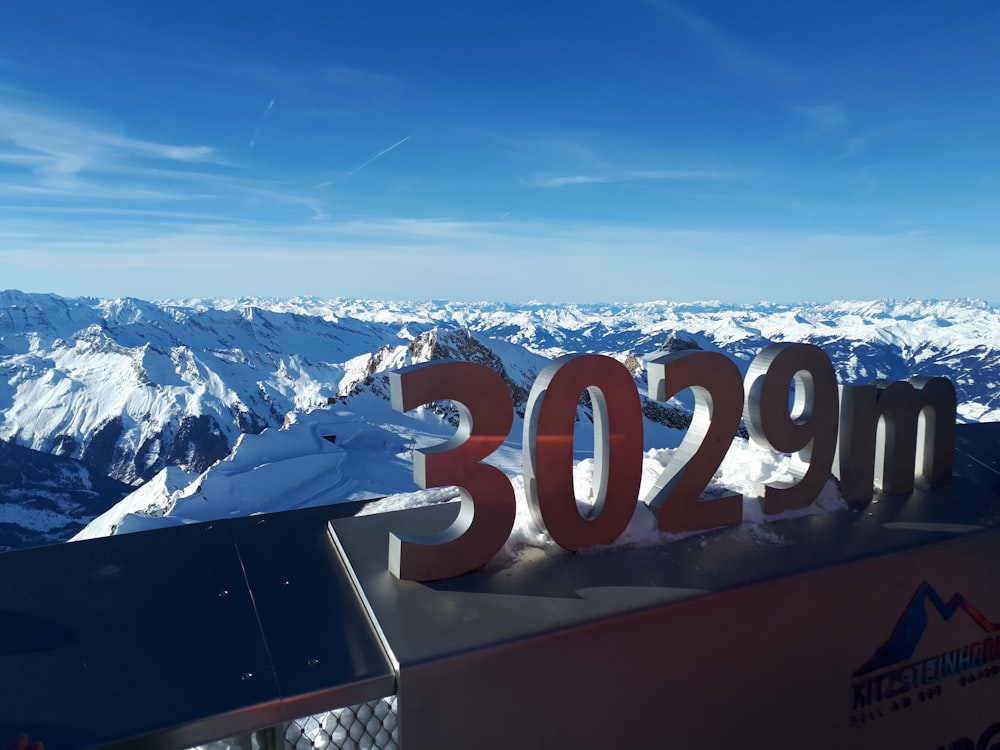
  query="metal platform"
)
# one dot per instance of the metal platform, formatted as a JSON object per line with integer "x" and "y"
{"x": 732, "y": 638}
{"x": 737, "y": 637}
{"x": 175, "y": 637}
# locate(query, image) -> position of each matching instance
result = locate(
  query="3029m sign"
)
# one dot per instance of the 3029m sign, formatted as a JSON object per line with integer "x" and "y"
{"x": 884, "y": 435}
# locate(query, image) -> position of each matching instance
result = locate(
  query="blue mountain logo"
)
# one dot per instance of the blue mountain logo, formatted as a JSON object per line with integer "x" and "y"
{"x": 913, "y": 623}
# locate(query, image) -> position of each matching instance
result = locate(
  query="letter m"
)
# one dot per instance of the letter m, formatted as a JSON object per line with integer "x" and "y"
{"x": 892, "y": 433}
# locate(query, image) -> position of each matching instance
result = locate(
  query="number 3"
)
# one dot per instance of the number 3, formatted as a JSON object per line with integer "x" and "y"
{"x": 486, "y": 514}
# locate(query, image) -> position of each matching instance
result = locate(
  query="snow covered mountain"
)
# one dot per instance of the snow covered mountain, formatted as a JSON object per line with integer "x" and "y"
{"x": 131, "y": 387}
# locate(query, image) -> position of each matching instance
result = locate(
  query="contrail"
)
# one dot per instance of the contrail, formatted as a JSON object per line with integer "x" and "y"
{"x": 256, "y": 130}
{"x": 383, "y": 152}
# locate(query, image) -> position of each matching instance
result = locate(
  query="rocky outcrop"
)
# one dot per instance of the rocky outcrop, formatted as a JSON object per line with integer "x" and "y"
{"x": 679, "y": 341}
{"x": 463, "y": 346}
{"x": 428, "y": 346}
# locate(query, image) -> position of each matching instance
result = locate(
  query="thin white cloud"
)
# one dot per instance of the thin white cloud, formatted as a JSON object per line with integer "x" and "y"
{"x": 562, "y": 181}
{"x": 296, "y": 83}
{"x": 513, "y": 260}
{"x": 635, "y": 175}
{"x": 726, "y": 49}
{"x": 859, "y": 144}
{"x": 21, "y": 159}
{"x": 823, "y": 118}
{"x": 121, "y": 211}
{"x": 199, "y": 154}
{"x": 63, "y": 153}
{"x": 677, "y": 174}
{"x": 831, "y": 123}
{"x": 345, "y": 77}
{"x": 272, "y": 195}
{"x": 51, "y": 153}
{"x": 855, "y": 146}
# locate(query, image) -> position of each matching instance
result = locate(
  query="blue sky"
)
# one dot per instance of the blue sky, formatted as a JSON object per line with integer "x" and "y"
{"x": 589, "y": 151}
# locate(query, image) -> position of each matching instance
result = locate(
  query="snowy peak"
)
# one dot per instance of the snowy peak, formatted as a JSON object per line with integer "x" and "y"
{"x": 133, "y": 386}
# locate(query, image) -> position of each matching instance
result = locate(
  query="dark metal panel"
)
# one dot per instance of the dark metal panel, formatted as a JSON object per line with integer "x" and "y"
{"x": 176, "y": 637}
{"x": 133, "y": 635}
{"x": 977, "y": 454}
{"x": 321, "y": 642}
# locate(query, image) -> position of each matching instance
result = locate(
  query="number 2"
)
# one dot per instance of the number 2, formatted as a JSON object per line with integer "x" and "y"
{"x": 718, "y": 392}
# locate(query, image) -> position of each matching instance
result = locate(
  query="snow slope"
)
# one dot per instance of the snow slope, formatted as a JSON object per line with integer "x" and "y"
{"x": 331, "y": 455}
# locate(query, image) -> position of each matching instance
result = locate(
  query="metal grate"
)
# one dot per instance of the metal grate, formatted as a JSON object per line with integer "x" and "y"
{"x": 373, "y": 725}
{"x": 366, "y": 726}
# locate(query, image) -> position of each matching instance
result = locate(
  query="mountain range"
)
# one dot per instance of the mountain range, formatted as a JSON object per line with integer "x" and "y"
{"x": 127, "y": 388}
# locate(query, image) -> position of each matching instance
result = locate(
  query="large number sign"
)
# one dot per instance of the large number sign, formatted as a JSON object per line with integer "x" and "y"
{"x": 884, "y": 435}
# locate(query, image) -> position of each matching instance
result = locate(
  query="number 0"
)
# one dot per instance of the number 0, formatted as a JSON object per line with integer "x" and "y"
{"x": 548, "y": 449}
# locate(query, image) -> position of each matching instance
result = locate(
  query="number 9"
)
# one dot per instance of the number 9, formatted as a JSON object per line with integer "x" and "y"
{"x": 808, "y": 428}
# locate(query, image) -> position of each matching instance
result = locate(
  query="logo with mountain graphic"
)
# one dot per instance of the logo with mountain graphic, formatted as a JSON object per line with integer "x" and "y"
{"x": 896, "y": 679}
{"x": 914, "y": 621}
